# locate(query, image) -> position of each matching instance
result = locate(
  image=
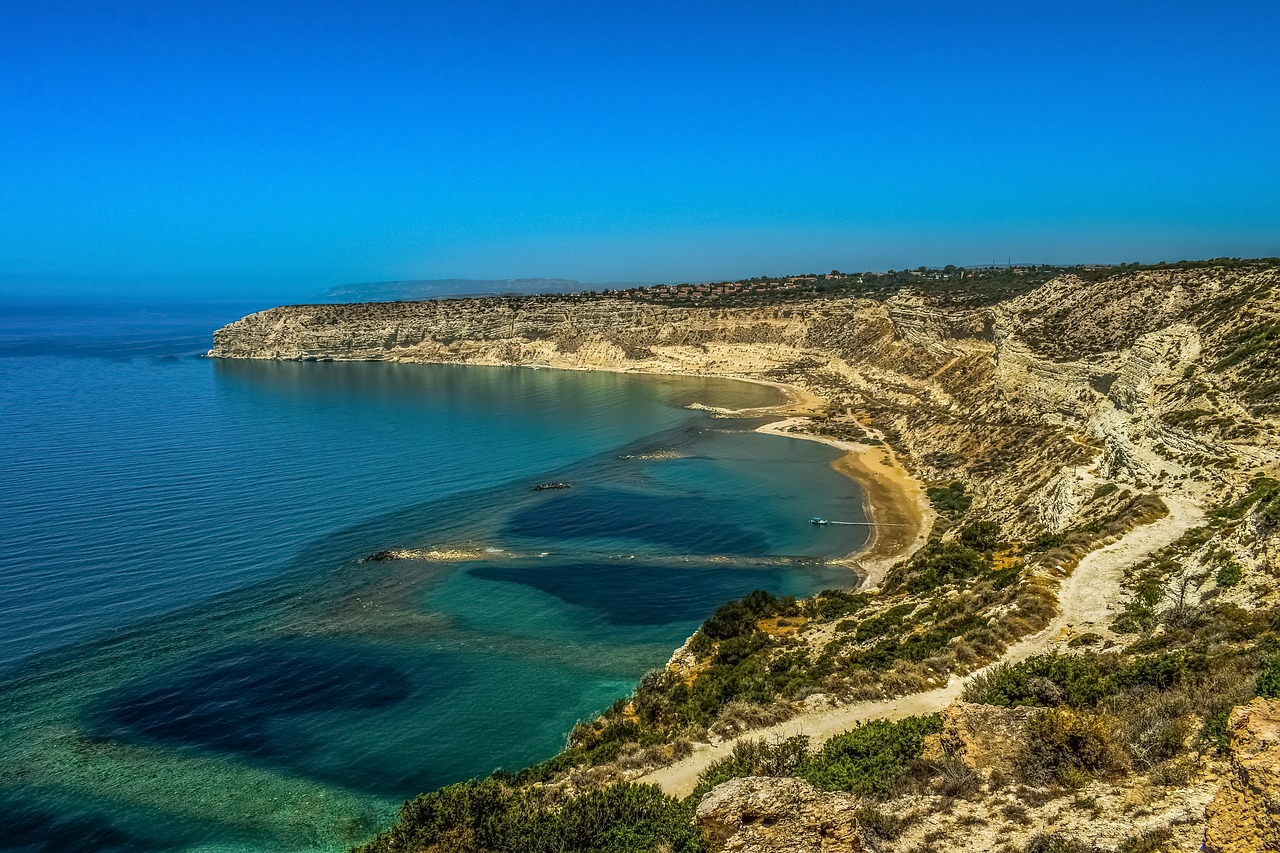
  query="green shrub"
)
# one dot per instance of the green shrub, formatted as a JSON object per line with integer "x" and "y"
{"x": 1161, "y": 671}
{"x": 1138, "y": 618}
{"x": 1214, "y": 733}
{"x": 622, "y": 818}
{"x": 871, "y": 758}
{"x": 741, "y": 617}
{"x": 980, "y": 536}
{"x": 1229, "y": 573}
{"x": 877, "y": 626}
{"x": 1052, "y": 679}
{"x": 730, "y": 620}
{"x": 1258, "y": 340}
{"x": 1268, "y": 683}
{"x": 834, "y": 603}
{"x": 1044, "y": 542}
{"x": 451, "y": 813}
{"x": 1270, "y": 509}
{"x": 653, "y": 697}
{"x": 1080, "y": 680}
{"x": 488, "y": 817}
{"x": 950, "y": 500}
{"x": 936, "y": 564}
{"x": 1062, "y": 744}
{"x": 736, "y": 650}
{"x": 755, "y": 758}
{"x": 1261, "y": 489}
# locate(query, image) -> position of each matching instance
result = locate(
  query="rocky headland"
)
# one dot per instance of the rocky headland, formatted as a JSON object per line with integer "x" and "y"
{"x": 1032, "y": 399}
{"x": 1095, "y": 575}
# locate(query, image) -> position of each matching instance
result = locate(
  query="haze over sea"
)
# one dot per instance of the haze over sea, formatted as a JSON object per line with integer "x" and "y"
{"x": 193, "y": 653}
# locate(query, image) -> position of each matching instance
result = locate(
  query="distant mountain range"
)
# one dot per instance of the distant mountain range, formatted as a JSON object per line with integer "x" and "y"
{"x": 454, "y": 288}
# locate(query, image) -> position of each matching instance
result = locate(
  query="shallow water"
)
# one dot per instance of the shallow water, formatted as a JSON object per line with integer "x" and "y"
{"x": 195, "y": 655}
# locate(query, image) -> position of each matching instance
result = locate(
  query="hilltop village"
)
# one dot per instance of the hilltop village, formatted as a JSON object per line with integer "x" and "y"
{"x": 764, "y": 288}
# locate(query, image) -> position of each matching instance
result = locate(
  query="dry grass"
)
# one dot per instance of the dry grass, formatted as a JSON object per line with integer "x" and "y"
{"x": 737, "y": 717}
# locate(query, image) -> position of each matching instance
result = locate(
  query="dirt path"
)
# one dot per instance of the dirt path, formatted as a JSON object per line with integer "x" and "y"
{"x": 1086, "y": 602}
{"x": 1088, "y": 598}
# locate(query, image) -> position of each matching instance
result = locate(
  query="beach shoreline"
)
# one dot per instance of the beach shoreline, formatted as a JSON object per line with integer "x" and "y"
{"x": 893, "y": 501}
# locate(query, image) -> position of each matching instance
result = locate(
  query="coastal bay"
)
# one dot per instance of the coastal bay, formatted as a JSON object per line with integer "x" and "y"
{"x": 344, "y": 685}
{"x": 1042, "y": 458}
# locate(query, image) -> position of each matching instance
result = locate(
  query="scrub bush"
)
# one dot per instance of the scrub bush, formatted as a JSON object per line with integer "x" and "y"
{"x": 871, "y": 758}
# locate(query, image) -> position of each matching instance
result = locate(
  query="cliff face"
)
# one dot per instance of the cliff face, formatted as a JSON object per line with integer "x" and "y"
{"x": 1033, "y": 401}
{"x": 1244, "y": 816}
{"x": 1043, "y": 404}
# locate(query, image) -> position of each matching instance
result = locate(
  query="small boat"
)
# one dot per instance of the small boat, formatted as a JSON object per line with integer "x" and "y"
{"x": 816, "y": 520}
{"x": 541, "y": 487}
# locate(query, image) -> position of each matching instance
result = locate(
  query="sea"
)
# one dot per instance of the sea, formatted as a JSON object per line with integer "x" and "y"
{"x": 196, "y": 652}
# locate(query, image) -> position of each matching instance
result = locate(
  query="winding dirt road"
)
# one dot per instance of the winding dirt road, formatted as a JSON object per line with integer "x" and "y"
{"x": 1086, "y": 602}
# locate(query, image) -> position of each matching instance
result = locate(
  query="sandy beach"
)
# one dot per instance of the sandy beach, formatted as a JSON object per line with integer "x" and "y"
{"x": 894, "y": 502}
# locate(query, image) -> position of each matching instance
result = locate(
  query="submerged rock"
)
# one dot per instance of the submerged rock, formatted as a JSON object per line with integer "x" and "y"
{"x": 438, "y": 555}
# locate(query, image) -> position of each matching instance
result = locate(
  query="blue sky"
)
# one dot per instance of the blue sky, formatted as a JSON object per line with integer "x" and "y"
{"x": 277, "y": 148}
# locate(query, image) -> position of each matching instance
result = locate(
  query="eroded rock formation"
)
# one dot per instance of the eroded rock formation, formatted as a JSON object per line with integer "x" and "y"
{"x": 1244, "y": 816}
{"x": 779, "y": 815}
{"x": 984, "y": 737}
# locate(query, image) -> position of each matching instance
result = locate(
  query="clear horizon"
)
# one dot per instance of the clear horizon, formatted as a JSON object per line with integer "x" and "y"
{"x": 232, "y": 151}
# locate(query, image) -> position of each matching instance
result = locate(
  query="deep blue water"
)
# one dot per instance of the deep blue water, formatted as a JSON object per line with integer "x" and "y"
{"x": 194, "y": 654}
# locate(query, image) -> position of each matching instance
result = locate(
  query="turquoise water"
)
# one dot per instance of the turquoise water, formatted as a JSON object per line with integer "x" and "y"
{"x": 194, "y": 654}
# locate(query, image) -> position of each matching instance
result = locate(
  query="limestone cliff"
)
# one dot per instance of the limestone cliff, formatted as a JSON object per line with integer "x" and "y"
{"x": 1244, "y": 816}
{"x": 767, "y": 815}
{"x": 1156, "y": 378}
